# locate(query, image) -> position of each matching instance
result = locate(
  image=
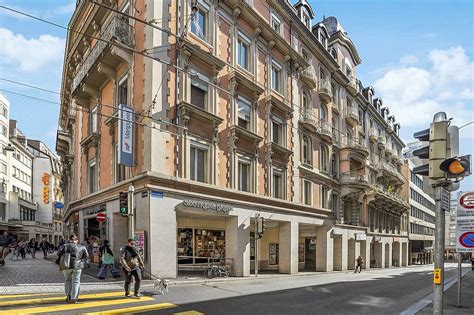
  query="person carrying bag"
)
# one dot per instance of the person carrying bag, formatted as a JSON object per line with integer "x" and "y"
{"x": 107, "y": 261}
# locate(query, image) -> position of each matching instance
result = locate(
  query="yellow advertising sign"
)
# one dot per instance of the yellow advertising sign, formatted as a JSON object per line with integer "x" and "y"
{"x": 45, "y": 180}
{"x": 437, "y": 276}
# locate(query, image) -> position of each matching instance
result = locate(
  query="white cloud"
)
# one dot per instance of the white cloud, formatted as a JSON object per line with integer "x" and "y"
{"x": 415, "y": 93}
{"x": 30, "y": 54}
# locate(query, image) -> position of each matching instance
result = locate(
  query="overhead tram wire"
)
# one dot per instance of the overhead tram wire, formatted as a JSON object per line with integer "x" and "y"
{"x": 30, "y": 86}
{"x": 142, "y": 54}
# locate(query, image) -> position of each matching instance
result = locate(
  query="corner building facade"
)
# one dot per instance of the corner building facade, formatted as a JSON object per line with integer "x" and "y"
{"x": 243, "y": 108}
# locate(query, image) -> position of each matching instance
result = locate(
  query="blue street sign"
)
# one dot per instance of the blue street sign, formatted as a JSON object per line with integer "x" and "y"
{"x": 157, "y": 194}
{"x": 59, "y": 205}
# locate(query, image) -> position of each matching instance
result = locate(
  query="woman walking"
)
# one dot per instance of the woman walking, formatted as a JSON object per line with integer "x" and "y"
{"x": 33, "y": 245}
{"x": 71, "y": 262}
{"x": 132, "y": 264}
{"x": 107, "y": 260}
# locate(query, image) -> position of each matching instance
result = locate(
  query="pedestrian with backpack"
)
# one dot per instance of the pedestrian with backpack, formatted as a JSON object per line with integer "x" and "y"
{"x": 71, "y": 259}
{"x": 132, "y": 265}
{"x": 107, "y": 262}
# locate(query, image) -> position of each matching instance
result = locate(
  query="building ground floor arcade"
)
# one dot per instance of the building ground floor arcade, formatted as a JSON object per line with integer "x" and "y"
{"x": 181, "y": 233}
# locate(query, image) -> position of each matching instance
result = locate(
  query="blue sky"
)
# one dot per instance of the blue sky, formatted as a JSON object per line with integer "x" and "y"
{"x": 417, "y": 54}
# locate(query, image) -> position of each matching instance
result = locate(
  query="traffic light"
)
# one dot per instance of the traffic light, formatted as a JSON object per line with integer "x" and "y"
{"x": 437, "y": 150}
{"x": 260, "y": 226}
{"x": 123, "y": 202}
{"x": 457, "y": 167}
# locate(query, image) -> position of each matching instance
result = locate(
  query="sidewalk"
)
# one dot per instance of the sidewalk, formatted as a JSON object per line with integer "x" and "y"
{"x": 450, "y": 298}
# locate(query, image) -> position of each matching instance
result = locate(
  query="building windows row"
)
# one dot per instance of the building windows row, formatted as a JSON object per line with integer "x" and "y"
{"x": 27, "y": 214}
{"x": 23, "y": 194}
{"x": 415, "y": 179}
{"x": 419, "y": 214}
{"x": 324, "y": 196}
{"x": 20, "y": 175}
{"x": 416, "y": 196}
{"x": 22, "y": 157}
{"x": 421, "y": 230}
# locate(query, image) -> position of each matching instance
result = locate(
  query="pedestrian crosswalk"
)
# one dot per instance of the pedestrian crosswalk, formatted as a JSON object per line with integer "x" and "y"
{"x": 90, "y": 303}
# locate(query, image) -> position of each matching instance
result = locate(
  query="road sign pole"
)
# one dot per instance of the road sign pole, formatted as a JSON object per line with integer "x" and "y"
{"x": 439, "y": 252}
{"x": 256, "y": 240}
{"x": 459, "y": 278}
{"x": 131, "y": 211}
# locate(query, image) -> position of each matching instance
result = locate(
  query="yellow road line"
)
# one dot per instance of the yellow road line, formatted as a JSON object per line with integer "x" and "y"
{"x": 135, "y": 309}
{"x": 60, "y": 298}
{"x": 70, "y": 307}
{"x": 189, "y": 313}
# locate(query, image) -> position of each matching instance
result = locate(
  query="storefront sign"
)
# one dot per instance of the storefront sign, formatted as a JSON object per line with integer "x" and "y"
{"x": 126, "y": 135}
{"x": 144, "y": 194}
{"x": 157, "y": 194}
{"x": 95, "y": 209}
{"x": 207, "y": 205}
{"x": 139, "y": 238}
{"x": 361, "y": 237}
{"x": 465, "y": 224}
{"x": 45, "y": 180}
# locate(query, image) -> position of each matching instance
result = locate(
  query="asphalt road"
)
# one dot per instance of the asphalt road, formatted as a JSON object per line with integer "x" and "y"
{"x": 384, "y": 295}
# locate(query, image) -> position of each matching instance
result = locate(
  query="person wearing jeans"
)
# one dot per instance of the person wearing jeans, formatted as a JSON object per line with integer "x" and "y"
{"x": 132, "y": 265}
{"x": 107, "y": 261}
{"x": 72, "y": 269}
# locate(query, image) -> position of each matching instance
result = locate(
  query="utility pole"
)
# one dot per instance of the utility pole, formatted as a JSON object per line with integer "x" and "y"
{"x": 439, "y": 252}
{"x": 459, "y": 279}
{"x": 256, "y": 240}
{"x": 131, "y": 209}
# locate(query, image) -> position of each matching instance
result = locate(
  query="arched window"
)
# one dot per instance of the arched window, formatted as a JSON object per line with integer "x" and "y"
{"x": 334, "y": 166}
{"x": 307, "y": 150}
{"x": 305, "y": 101}
{"x": 334, "y": 128}
{"x": 324, "y": 158}
{"x": 323, "y": 112}
{"x": 334, "y": 54}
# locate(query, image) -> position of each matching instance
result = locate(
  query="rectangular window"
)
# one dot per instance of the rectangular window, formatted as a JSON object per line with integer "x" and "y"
{"x": 243, "y": 52}
{"x": 324, "y": 197}
{"x": 199, "y": 25}
{"x": 277, "y": 131}
{"x": 243, "y": 108}
{"x": 307, "y": 192}
{"x": 5, "y": 112}
{"x": 277, "y": 184}
{"x": 92, "y": 177}
{"x": 121, "y": 171}
{"x": 198, "y": 164}
{"x": 334, "y": 203}
{"x": 276, "y": 24}
{"x": 244, "y": 176}
{"x": 3, "y": 168}
{"x": 122, "y": 93}
{"x": 276, "y": 77}
{"x": 199, "y": 92}
{"x": 4, "y": 131}
{"x": 93, "y": 120}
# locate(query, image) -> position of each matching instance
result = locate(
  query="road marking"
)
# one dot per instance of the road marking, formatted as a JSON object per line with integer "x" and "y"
{"x": 60, "y": 298}
{"x": 189, "y": 313}
{"x": 135, "y": 309}
{"x": 69, "y": 307}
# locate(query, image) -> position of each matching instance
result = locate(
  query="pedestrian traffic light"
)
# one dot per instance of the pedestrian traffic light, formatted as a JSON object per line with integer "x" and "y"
{"x": 436, "y": 150}
{"x": 123, "y": 203}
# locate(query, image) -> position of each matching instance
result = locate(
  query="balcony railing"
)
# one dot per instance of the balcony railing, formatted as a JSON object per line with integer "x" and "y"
{"x": 325, "y": 90}
{"x": 388, "y": 167}
{"x": 325, "y": 129}
{"x": 308, "y": 75}
{"x": 352, "y": 115}
{"x": 389, "y": 192}
{"x": 308, "y": 116}
{"x": 354, "y": 178}
{"x": 353, "y": 144}
{"x": 118, "y": 29}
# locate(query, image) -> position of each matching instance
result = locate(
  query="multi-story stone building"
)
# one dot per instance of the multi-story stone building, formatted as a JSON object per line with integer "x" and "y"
{"x": 421, "y": 217}
{"x": 243, "y": 108}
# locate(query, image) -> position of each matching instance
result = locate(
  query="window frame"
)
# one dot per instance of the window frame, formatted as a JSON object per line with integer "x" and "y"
{"x": 200, "y": 82}
{"x": 274, "y": 18}
{"x": 307, "y": 149}
{"x": 93, "y": 120}
{"x": 248, "y": 163}
{"x": 243, "y": 100}
{"x": 307, "y": 198}
{"x": 205, "y": 149}
{"x": 204, "y": 8}
{"x": 248, "y": 43}
{"x": 277, "y": 120}
{"x": 276, "y": 172}
{"x": 278, "y": 77}
{"x": 92, "y": 180}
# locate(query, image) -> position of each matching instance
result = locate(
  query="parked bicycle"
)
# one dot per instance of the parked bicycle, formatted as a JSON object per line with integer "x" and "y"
{"x": 214, "y": 270}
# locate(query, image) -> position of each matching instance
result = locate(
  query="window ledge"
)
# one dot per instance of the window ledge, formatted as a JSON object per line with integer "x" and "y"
{"x": 189, "y": 111}
{"x": 245, "y": 134}
{"x": 91, "y": 139}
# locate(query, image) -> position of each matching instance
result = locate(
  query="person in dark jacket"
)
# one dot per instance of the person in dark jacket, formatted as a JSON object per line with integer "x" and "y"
{"x": 33, "y": 245}
{"x": 5, "y": 241}
{"x": 44, "y": 246}
{"x": 72, "y": 271}
{"x": 132, "y": 265}
{"x": 359, "y": 264}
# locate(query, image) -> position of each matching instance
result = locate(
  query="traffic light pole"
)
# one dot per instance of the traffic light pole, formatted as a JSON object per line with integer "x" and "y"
{"x": 131, "y": 211}
{"x": 439, "y": 251}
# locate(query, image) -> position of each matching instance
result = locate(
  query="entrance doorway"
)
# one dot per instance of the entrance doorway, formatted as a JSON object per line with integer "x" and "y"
{"x": 309, "y": 254}
{"x": 387, "y": 255}
{"x": 337, "y": 253}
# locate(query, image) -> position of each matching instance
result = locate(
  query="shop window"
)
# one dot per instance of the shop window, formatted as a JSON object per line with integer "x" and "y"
{"x": 277, "y": 131}
{"x": 198, "y": 167}
{"x": 185, "y": 246}
{"x": 209, "y": 244}
{"x": 273, "y": 253}
{"x": 244, "y": 175}
{"x": 277, "y": 182}
{"x": 199, "y": 92}
{"x": 200, "y": 24}
{"x": 92, "y": 173}
{"x": 276, "y": 77}
{"x": 93, "y": 120}
{"x": 307, "y": 192}
{"x": 244, "y": 110}
{"x": 243, "y": 51}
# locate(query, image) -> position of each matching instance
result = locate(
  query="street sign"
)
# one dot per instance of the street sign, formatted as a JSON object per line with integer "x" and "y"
{"x": 465, "y": 223}
{"x": 437, "y": 276}
{"x": 126, "y": 135}
{"x": 101, "y": 217}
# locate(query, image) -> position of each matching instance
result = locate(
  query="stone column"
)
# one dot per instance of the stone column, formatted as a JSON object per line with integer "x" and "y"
{"x": 288, "y": 247}
{"x": 237, "y": 244}
{"x": 344, "y": 251}
{"x": 324, "y": 249}
{"x": 390, "y": 251}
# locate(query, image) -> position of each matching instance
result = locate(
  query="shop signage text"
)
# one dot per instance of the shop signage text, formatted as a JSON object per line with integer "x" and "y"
{"x": 45, "y": 180}
{"x": 95, "y": 209}
{"x": 361, "y": 237}
{"x": 207, "y": 205}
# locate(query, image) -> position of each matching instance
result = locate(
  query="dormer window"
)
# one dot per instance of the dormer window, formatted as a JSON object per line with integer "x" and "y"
{"x": 334, "y": 54}
{"x": 276, "y": 23}
{"x": 305, "y": 17}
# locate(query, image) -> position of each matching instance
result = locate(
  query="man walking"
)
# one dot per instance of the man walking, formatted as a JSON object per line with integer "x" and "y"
{"x": 132, "y": 264}
{"x": 360, "y": 263}
{"x": 44, "y": 245}
{"x": 5, "y": 242}
{"x": 71, "y": 262}
{"x": 33, "y": 245}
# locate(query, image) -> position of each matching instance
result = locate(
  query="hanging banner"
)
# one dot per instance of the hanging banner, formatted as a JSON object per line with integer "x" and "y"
{"x": 465, "y": 223}
{"x": 126, "y": 135}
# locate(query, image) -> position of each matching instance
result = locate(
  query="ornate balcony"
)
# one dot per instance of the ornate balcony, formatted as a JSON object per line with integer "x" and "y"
{"x": 308, "y": 76}
{"x": 353, "y": 178}
{"x": 390, "y": 172}
{"x": 325, "y": 90}
{"x": 325, "y": 131}
{"x": 352, "y": 86}
{"x": 373, "y": 136}
{"x": 308, "y": 119}
{"x": 382, "y": 142}
{"x": 118, "y": 31}
{"x": 386, "y": 197}
{"x": 352, "y": 115}
{"x": 354, "y": 145}
{"x": 190, "y": 111}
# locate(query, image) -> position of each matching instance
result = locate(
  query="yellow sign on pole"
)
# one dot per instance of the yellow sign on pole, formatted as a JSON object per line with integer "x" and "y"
{"x": 437, "y": 276}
